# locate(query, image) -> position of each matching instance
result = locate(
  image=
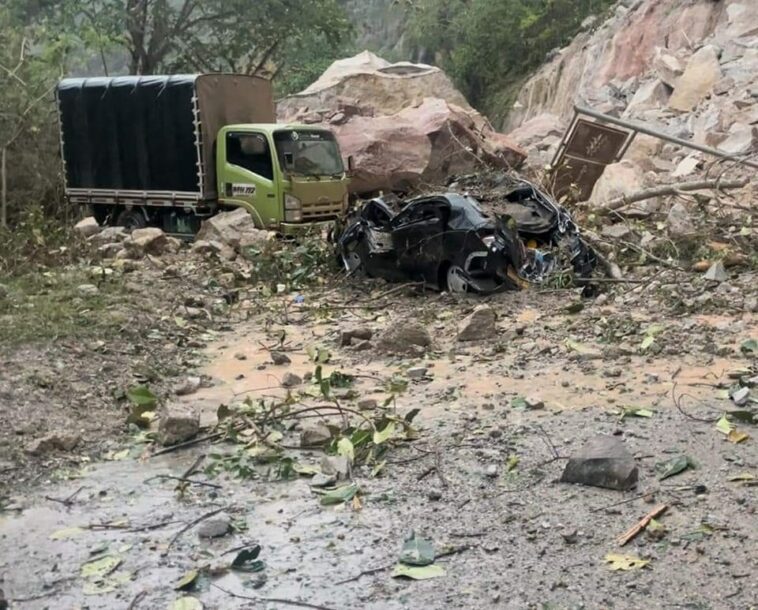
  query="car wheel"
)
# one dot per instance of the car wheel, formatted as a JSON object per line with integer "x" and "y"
{"x": 351, "y": 260}
{"x": 131, "y": 220}
{"x": 456, "y": 281}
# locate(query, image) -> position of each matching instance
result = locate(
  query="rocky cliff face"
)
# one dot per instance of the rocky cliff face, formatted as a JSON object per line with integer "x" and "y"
{"x": 379, "y": 25}
{"x": 687, "y": 67}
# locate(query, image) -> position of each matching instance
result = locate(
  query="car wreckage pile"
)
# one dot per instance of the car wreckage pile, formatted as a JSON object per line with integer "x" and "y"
{"x": 451, "y": 242}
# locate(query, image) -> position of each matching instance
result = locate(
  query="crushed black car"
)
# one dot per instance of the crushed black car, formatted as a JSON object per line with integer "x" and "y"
{"x": 448, "y": 241}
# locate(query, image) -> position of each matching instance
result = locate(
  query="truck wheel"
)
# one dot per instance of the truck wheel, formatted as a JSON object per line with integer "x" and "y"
{"x": 103, "y": 214}
{"x": 131, "y": 220}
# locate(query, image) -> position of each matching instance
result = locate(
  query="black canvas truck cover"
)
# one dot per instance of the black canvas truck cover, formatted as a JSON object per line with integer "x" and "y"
{"x": 153, "y": 133}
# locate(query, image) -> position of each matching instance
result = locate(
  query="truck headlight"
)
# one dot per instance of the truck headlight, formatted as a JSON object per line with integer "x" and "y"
{"x": 292, "y": 203}
{"x": 293, "y": 215}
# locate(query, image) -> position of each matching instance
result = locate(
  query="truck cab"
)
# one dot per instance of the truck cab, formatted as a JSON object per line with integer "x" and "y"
{"x": 286, "y": 176}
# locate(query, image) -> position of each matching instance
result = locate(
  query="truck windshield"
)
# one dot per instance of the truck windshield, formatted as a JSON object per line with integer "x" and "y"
{"x": 308, "y": 153}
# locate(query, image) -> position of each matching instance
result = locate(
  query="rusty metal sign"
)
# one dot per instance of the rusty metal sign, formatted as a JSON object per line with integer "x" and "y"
{"x": 583, "y": 154}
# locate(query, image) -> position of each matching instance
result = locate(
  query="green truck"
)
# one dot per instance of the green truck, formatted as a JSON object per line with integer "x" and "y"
{"x": 168, "y": 151}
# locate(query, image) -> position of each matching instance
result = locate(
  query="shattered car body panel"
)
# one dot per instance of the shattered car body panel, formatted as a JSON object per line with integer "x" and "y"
{"x": 449, "y": 242}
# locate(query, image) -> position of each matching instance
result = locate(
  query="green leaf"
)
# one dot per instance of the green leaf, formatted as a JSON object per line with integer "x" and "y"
{"x": 186, "y": 603}
{"x": 647, "y": 342}
{"x": 416, "y": 572}
{"x": 142, "y": 396}
{"x": 636, "y": 412}
{"x": 625, "y": 562}
{"x": 724, "y": 425}
{"x": 382, "y": 436}
{"x": 339, "y": 495}
{"x": 247, "y": 560}
{"x": 187, "y": 581}
{"x": 319, "y": 355}
{"x": 100, "y": 568}
{"x": 411, "y": 415}
{"x": 101, "y": 586}
{"x": 674, "y": 466}
{"x": 519, "y": 403}
{"x": 345, "y": 447}
{"x": 512, "y": 463}
{"x": 417, "y": 552}
{"x": 573, "y": 308}
{"x": 66, "y": 533}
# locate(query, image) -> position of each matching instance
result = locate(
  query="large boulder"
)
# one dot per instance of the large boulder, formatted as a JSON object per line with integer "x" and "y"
{"x": 235, "y": 229}
{"x": 87, "y": 227}
{"x": 535, "y": 131}
{"x": 619, "y": 179}
{"x": 422, "y": 144}
{"x": 702, "y": 73}
{"x": 150, "y": 240}
{"x": 667, "y": 67}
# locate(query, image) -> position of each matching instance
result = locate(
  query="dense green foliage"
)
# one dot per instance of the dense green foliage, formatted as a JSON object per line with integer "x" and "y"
{"x": 487, "y": 46}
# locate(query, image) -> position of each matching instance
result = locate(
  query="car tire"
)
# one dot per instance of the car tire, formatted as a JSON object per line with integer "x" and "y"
{"x": 132, "y": 220}
{"x": 455, "y": 282}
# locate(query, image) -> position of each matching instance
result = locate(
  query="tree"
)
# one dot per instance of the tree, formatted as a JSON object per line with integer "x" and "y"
{"x": 201, "y": 35}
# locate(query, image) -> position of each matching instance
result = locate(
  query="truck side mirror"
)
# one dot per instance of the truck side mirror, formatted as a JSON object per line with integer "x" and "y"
{"x": 350, "y": 163}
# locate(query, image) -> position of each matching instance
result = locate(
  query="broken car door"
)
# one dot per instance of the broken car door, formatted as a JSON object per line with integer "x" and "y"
{"x": 417, "y": 237}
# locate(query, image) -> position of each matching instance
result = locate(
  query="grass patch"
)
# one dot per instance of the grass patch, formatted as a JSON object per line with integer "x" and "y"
{"x": 46, "y": 306}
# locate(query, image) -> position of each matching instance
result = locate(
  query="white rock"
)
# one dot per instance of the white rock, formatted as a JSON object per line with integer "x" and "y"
{"x": 87, "y": 227}
{"x": 702, "y": 73}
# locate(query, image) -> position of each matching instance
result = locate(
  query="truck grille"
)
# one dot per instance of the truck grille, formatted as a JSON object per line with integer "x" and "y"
{"x": 329, "y": 209}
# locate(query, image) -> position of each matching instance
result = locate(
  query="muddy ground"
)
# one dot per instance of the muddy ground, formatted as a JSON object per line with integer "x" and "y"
{"x": 480, "y": 481}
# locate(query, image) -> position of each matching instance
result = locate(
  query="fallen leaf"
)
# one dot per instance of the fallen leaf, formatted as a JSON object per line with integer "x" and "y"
{"x": 186, "y": 603}
{"x": 416, "y": 572}
{"x": 66, "y": 533}
{"x": 749, "y": 346}
{"x": 142, "y": 396}
{"x": 107, "y": 584}
{"x": 417, "y": 552}
{"x": 357, "y": 504}
{"x": 742, "y": 478}
{"x": 736, "y": 437}
{"x": 187, "y": 581}
{"x": 247, "y": 560}
{"x": 674, "y": 466}
{"x": 647, "y": 342}
{"x": 384, "y": 435}
{"x": 636, "y": 412}
{"x": 99, "y": 568}
{"x": 339, "y": 495}
{"x": 625, "y": 562}
{"x": 724, "y": 425}
{"x": 345, "y": 447}
{"x": 512, "y": 463}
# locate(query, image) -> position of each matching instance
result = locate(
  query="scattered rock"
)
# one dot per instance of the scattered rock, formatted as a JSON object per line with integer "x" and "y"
{"x": 188, "y": 386}
{"x": 336, "y": 465}
{"x": 617, "y": 231}
{"x": 362, "y": 334}
{"x": 667, "y": 67}
{"x": 290, "y": 380}
{"x": 279, "y": 358}
{"x": 240, "y": 356}
{"x": 110, "y": 250}
{"x": 434, "y": 495}
{"x": 108, "y": 235}
{"x": 686, "y": 166}
{"x": 221, "y": 249}
{"x": 368, "y": 404}
{"x": 742, "y": 139}
{"x": 618, "y": 180}
{"x": 702, "y": 73}
{"x": 87, "y": 227}
{"x": 87, "y": 290}
{"x": 741, "y": 396}
{"x": 235, "y": 229}
{"x": 3, "y": 291}
{"x": 62, "y": 441}
{"x": 679, "y": 221}
{"x": 315, "y": 435}
{"x": 177, "y": 425}
{"x": 323, "y": 480}
{"x": 534, "y": 404}
{"x": 216, "y": 527}
{"x": 478, "y": 326}
{"x": 362, "y": 346}
{"x": 417, "y": 372}
{"x": 603, "y": 462}
{"x": 150, "y": 240}
{"x": 492, "y": 471}
{"x": 717, "y": 272}
{"x": 405, "y": 339}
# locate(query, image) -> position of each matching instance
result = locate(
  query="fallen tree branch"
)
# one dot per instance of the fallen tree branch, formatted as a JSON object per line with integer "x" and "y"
{"x": 192, "y": 524}
{"x": 635, "y": 530}
{"x": 670, "y": 189}
{"x": 272, "y": 600}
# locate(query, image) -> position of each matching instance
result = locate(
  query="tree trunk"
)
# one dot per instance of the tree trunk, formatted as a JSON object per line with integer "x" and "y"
{"x": 3, "y": 189}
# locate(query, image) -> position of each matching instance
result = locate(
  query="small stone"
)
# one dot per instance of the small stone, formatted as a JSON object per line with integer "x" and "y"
{"x": 717, "y": 273}
{"x": 87, "y": 290}
{"x": 323, "y": 480}
{"x": 418, "y": 372}
{"x": 679, "y": 221}
{"x": 315, "y": 435}
{"x": 215, "y": 528}
{"x": 87, "y": 227}
{"x": 62, "y": 441}
{"x": 741, "y": 396}
{"x": 614, "y": 372}
{"x": 492, "y": 471}
{"x": 188, "y": 386}
{"x": 368, "y": 404}
{"x": 603, "y": 462}
{"x": 279, "y": 358}
{"x": 405, "y": 339}
{"x": 290, "y": 380}
{"x": 434, "y": 495}
{"x": 362, "y": 334}
{"x": 337, "y": 465}
{"x": 240, "y": 356}
{"x": 571, "y": 537}
{"x": 534, "y": 404}
{"x": 177, "y": 425}
{"x": 617, "y": 231}
{"x": 478, "y": 326}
